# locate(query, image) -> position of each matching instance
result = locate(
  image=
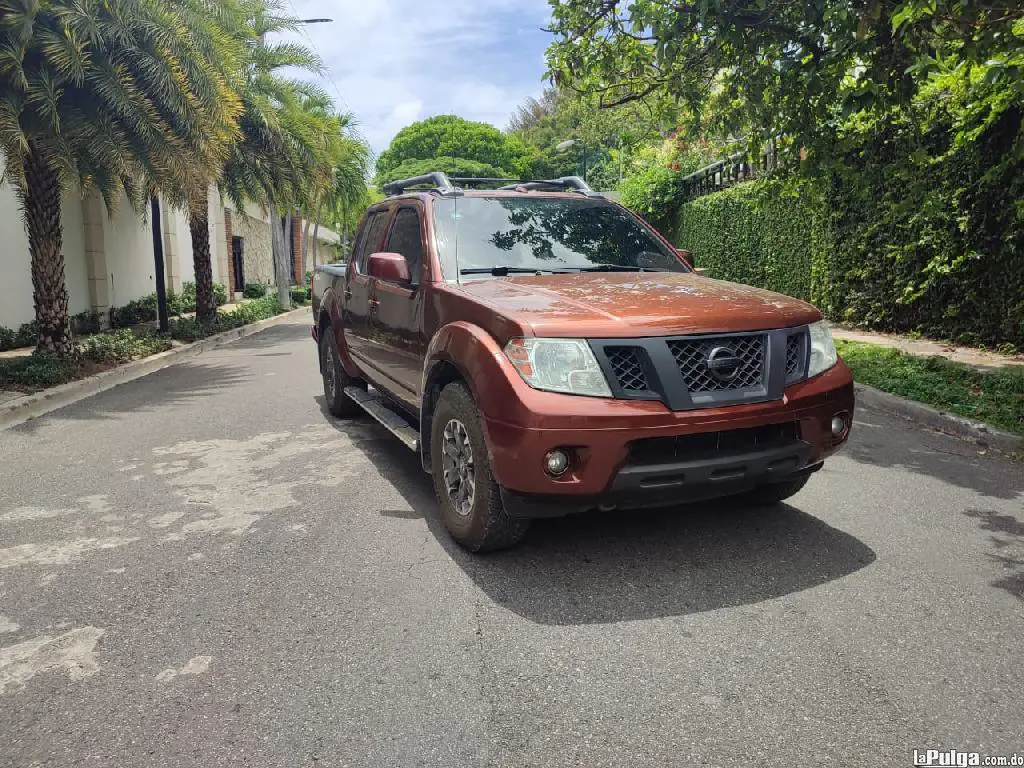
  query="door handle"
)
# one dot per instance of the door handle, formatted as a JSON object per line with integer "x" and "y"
{"x": 348, "y": 293}
{"x": 373, "y": 303}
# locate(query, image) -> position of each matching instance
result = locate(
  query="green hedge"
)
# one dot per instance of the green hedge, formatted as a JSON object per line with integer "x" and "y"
{"x": 901, "y": 228}
{"x": 878, "y": 249}
{"x": 758, "y": 233}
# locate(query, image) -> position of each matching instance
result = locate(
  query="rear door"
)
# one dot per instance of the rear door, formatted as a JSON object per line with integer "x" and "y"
{"x": 359, "y": 288}
{"x": 396, "y": 318}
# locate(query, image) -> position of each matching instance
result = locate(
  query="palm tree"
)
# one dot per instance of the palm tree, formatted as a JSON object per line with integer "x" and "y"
{"x": 268, "y": 163}
{"x": 129, "y": 96}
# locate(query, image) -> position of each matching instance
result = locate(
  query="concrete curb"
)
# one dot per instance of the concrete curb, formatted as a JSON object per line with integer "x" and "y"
{"x": 29, "y": 407}
{"x": 951, "y": 424}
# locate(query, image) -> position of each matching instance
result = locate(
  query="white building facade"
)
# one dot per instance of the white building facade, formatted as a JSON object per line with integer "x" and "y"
{"x": 109, "y": 259}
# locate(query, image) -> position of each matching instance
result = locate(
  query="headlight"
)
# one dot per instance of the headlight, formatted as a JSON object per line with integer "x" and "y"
{"x": 823, "y": 349}
{"x": 558, "y": 365}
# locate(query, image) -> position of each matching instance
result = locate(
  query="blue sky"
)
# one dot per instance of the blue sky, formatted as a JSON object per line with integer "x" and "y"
{"x": 397, "y": 61}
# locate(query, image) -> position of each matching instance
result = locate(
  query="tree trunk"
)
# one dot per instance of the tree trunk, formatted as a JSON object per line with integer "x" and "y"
{"x": 316, "y": 243}
{"x": 41, "y": 205}
{"x": 280, "y": 251}
{"x": 305, "y": 242}
{"x": 199, "y": 226}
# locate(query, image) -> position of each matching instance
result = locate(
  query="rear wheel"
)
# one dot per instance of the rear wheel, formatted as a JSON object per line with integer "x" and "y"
{"x": 467, "y": 493}
{"x": 335, "y": 378}
{"x": 773, "y": 493}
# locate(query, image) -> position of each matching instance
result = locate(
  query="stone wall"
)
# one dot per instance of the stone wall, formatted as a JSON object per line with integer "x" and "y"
{"x": 258, "y": 259}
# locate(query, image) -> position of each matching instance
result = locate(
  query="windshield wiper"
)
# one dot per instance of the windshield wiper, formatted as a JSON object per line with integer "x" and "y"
{"x": 618, "y": 268}
{"x": 502, "y": 271}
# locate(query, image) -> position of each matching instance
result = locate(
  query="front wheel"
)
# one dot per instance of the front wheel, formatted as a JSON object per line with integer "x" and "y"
{"x": 467, "y": 493}
{"x": 335, "y": 379}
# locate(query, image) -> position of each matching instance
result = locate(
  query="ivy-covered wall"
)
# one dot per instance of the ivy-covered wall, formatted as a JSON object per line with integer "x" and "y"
{"x": 935, "y": 248}
{"x": 760, "y": 233}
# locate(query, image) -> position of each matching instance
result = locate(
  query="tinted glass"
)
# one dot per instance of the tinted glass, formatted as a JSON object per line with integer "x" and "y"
{"x": 405, "y": 239}
{"x": 544, "y": 234}
{"x": 369, "y": 240}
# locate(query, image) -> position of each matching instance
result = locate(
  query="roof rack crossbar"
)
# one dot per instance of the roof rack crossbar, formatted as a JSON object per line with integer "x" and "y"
{"x": 436, "y": 179}
{"x": 470, "y": 181}
{"x": 562, "y": 182}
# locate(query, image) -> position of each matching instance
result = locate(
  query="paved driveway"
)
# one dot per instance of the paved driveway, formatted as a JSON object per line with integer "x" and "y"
{"x": 201, "y": 568}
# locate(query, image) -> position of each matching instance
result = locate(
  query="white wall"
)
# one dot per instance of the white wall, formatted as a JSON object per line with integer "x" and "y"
{"x": 16, "y": 305}
{"x": 128, "y": 243}
{"x": 76, "y": 272}
{"x": 183, "y": 247}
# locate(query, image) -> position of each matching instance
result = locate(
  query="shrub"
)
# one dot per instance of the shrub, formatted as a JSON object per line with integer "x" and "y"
{"x": 27, "y": 335}
{"x": 134, "y": 312}
{"x": 7, "y": 337}
{"x": 299, "y": 294}
{"x": 86, "y": 322}
{"x": 257, "y": 309}
{"x": 652, "y": 186}
{"x": 220, "y": 294}
{"x": 188, "y": 329}
{"x": 254, "y": 290}
{"x": 122, "y": 345}
{"x": 36, "y": 371}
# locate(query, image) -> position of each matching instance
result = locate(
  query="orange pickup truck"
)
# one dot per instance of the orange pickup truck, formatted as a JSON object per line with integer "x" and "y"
{"x": 548, "y": 352}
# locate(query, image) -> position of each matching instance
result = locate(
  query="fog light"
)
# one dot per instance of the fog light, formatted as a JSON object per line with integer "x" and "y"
{"x": 556, "y": 462}
{"x": 838, "y": 424}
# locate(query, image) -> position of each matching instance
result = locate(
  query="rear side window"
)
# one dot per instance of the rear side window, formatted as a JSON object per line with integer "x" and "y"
{"x": 405, "y": 239}
{"x": 369, "y": 239}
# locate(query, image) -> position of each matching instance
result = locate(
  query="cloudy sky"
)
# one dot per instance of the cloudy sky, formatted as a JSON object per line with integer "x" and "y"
{"x": 397, "y": 61}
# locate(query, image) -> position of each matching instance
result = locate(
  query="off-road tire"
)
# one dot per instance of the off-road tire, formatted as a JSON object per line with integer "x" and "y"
{"x": 487, "y": 527}
{"x": 335, "y": 378}
{"x": 774, "y": 493}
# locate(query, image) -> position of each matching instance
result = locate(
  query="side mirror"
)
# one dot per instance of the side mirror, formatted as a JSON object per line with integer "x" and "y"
{"x": 685, "y": 256}
{"x": 389, "y": 266}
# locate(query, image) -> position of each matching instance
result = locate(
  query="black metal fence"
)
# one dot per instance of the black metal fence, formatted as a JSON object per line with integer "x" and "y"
{"x": 731, "y": 170}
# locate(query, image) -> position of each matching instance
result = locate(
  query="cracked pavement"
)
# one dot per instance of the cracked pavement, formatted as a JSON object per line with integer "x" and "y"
{"x": 202, "y": 568}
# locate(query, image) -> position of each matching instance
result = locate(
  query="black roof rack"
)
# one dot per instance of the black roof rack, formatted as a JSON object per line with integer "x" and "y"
{"x": 574, "y": 183}
{"x": 445, "y": 185}
{"x": 437, "y": 180}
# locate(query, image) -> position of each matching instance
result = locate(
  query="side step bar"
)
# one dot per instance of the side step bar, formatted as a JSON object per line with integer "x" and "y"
{"x": 377, "y": 407}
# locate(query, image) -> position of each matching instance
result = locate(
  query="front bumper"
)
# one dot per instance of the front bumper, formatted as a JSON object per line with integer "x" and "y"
{"x": 601, "y": 471}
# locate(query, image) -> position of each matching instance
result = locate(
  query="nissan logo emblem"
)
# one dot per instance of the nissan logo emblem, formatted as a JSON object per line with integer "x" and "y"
{"x": 723, "y": 364}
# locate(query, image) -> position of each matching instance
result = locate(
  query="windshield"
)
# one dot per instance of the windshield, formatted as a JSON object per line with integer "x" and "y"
{"x": 523, "y": 234}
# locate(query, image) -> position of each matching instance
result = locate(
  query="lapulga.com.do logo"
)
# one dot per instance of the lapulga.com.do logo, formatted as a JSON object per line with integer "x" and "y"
{"x": 953, "y": 757}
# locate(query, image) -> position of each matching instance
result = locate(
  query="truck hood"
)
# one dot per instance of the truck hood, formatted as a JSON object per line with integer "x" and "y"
{"x": 623, "y": 304}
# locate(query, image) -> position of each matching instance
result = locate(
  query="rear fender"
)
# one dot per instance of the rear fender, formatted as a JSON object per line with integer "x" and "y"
{"x": 329, "y": 321}
{"x": 480, "y": 363}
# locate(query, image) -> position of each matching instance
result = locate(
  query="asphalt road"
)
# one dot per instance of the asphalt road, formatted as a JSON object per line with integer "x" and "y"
{"x": 201, "y": 568}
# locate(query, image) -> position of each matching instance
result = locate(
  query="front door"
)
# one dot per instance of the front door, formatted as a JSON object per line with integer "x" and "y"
{"x": 358, "y": 289}
{"x": 238, "y": 262}
{"x": 397, "y": 320}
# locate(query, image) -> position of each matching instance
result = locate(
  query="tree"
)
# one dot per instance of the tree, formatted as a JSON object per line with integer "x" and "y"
{"x": 109, "y": 96}
{"x": 453, "y": 166}
{"x": 760, "y": 68}
{"x": 280, "y": 156}
{"x": 609, "y": 137}
{"x": 453, "y": 137}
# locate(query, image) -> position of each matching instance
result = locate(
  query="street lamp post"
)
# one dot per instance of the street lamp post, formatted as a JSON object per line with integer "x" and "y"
{"x": 568, "y": 144}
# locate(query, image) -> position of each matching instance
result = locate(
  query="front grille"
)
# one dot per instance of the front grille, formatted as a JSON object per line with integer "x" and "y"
{"x": 625, "y": 362}
{"x": 659, "y": 450}
{"x": 795, "y": 356}
{"x": 692, "y": 357}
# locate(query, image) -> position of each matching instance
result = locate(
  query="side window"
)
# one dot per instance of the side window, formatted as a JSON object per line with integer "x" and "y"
{"x": 369, "y": 239}
{"x": 406, "y": 239}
